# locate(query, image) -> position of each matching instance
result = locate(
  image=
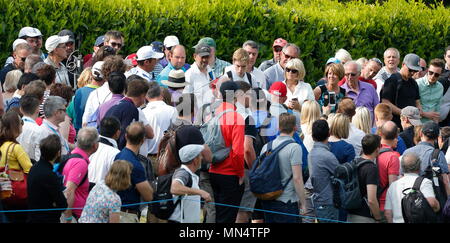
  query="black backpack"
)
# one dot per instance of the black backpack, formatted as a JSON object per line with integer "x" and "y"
{"x": 435, "y": 175}
{"x": 162, "y": 207}
{"x": 261, "y": 140}
{"x": 415, "y": 207}
{"x": 64, "y": 161}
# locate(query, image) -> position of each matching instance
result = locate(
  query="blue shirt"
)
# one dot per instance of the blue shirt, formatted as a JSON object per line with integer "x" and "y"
{"x": 126, "y": 112}
{"x": 164, "y": 74}
{"x": 79, "y": 103}
{"x": 131, "y": 195}
{"x": 424, "y": 151}
{"x": 343, "y": 151}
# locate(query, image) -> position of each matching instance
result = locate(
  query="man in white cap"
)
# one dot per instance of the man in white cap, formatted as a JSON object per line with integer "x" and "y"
{"x": 401, "y": 90}
{"x": 185, "y": 182}
{"x": 21, "y": 52}
{"x": 147, "y": 58}
{"x": 169, "y": 42}
{"x": 56, "y": 47}
{"x": 34, "y": 38}
{"x": 10, "y": 59}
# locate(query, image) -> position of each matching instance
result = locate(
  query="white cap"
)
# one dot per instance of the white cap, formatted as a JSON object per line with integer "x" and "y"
{"x": 17, "y": 42}
{"x": 53, "y": 41}
{"x": 171, "y": 40}
{"x": 190, "y": 152}
{"x": 29, "y": 31}
{"x": 147, "y": 52}
{"x": 97, "y": 69}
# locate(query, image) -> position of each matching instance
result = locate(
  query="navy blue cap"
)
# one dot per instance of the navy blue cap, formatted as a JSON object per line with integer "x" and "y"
{"x": 157, "y": 46}
{"x": 99, "y": 41}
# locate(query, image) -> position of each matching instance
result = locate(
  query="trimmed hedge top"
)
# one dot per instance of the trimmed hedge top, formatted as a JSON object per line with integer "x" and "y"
{"x": 318, "y": 27}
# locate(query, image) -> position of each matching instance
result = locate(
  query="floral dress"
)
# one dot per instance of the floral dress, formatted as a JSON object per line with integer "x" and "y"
{"x": 101, "y": 202}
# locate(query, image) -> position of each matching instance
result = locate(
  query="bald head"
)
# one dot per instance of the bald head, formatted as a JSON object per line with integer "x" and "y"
{"x": 389, "y": 131}
{"x": 178, "y": 56}
{"x": 410, "y": 163}
{"x": 135, "y": 133}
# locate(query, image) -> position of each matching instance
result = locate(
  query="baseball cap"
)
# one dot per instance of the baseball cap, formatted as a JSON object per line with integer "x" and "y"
{"x": 53, "y": 41}
{"x": 147, "y": 52}
{"x": 99, "y": 41}
{"x": 333, "y": 60}
{"x": 431, "y": 129}
{"x": 29, "y": 32}
{"x": 202, "y": 50}
{"x": 206, "y": 41}
{"x": 69, "y": 33}
{"x": 279, "y": 89}
{"x": 97, "y": 70}
{"x": 413, "y": 115}
{"x": 17, "y": 42}
{"x": 190, "y": 152}
{"x": 132, "y": 59}
{"x": 228, "y": 86}
{"x": 279, "y": 42}
{"x": 412, "y": 61}
{"x": 170, "y": 41}
{"x": 157, "y": 46}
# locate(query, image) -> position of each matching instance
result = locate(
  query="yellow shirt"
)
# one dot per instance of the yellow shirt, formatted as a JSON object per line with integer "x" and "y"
{"x": 17, "y": 158}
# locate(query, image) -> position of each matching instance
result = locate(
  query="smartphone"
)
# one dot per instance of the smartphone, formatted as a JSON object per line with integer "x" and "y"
{"x": 332, "y": 98}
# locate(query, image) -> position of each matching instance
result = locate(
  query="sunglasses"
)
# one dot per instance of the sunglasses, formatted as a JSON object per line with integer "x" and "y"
{"x": 114, "y": 44}
{"x": 412, "y": 71}
{"x": 288, "y": 70}
{"x": 69, "y": 43}
{"x": 351, "y": 74}
{"x": 287, "y": 56}
{"x": 436, "y": 75}
{"x": 23, "y": 59}
{"x": 277, "y": 48}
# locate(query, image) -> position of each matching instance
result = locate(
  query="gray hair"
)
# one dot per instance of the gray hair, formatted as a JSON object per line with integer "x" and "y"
{"x": 11, "y": 80}
{"x": 154, "y": 90}
{"x": 251, "y": 43}
{"x": 31, "y": 61}
{"x": 53, "y": 104}
{"x": 38, "y": 66}
{"x": 397, "y": 53}
{"x": 87, "y": 137}
{"x": 358, "y": 66}
{"x": 343, "y": 55}
{"x": 22, "y": 46}
{"x": 410, "y": 163}
{"x": 291, "y": 45}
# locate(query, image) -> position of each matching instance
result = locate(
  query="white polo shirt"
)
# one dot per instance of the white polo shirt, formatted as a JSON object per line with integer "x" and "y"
{"x": 198, "y": 84}
{"x": 395, "y": 194}
{"x": 30, "y": 138}
{"x": 140, "y": 72}
{"x": 302, "y": 92}
{"x": 159, "y": 116}
{"x": 101, "y": 161}
{"x": 255, "y": 83}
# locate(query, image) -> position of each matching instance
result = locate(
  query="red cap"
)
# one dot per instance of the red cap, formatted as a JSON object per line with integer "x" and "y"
{"x": 279, "y": 42}
{"x": 132, "y": 57}
{"x": 279, "y": 89}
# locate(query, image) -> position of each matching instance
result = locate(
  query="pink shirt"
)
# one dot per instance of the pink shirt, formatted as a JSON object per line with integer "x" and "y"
{"x": 75, "y": 170}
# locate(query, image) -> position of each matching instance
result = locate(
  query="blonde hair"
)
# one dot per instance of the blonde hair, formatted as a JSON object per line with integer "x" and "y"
{"x": 119, "y": 175}
{"x": 362, "y": 119}
{"x": 241, "y": 55}
{"x": 339, "y": 125}
{"x": 298, "y": 65}
{"x": 85, "y": 77}
{"x": 309, "y": 114}
{"x": 336, "y": 68}
{"x": 11, "y": 80}
{"x": 383, "y": 112}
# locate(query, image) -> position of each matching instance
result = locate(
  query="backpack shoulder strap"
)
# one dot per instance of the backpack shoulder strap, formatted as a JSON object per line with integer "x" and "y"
{"x": 435, "y": 154}
{"x": 78, "y": 156}
{"x": 417, "y": 183}
{"x": 249, "y": 77}
{"x": 230, "y": 75}
{"x": 384, "y": 150}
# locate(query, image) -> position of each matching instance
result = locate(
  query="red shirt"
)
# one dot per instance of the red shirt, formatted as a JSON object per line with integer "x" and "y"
{"x": 370, "y": 81}
{"x": 233, "y": 128}
{"x": 388, "y": 164}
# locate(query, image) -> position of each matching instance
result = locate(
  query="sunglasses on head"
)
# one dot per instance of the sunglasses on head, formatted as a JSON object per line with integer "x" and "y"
{"x": 431, "y": 73}
{"x": 288, "y": 70}
{"x": 377, "y": 61}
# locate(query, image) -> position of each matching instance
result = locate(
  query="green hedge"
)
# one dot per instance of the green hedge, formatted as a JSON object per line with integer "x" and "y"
{"x": 319, "y": 27}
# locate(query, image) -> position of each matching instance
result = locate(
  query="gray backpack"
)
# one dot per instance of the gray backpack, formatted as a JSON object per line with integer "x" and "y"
{"x": 212, "y": 134}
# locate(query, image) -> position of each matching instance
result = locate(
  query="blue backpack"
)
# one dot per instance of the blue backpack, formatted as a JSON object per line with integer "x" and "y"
{"x": 265, "y": 176}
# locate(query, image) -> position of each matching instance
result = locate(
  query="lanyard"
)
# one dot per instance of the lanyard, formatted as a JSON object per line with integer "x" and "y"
{"x": 62, "y": 139}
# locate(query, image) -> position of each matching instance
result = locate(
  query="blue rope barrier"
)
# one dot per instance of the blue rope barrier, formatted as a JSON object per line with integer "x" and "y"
{"x": 146, "y": 203}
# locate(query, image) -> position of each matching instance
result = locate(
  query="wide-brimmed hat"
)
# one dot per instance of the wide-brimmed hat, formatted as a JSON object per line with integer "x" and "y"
{"x": 176, "y": 79}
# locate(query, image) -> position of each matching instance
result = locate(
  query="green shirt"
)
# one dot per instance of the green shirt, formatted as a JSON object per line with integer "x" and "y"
{"x": 219, "y": 67}
{"x": 430, "y": 95}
